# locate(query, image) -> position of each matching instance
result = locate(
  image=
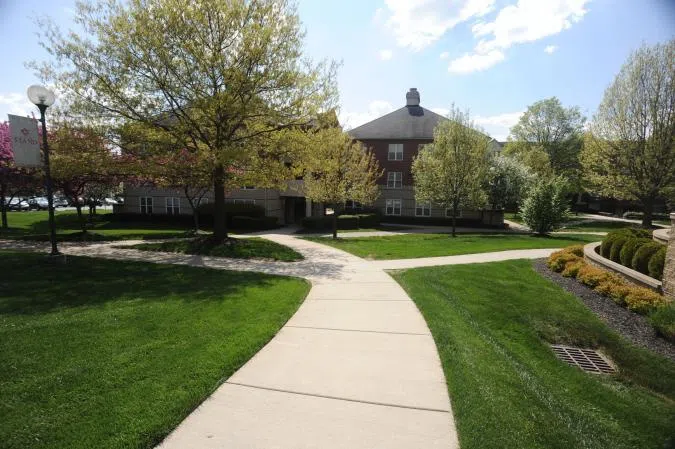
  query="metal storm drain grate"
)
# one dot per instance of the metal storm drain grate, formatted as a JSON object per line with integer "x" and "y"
{"x": 586, "y": 359}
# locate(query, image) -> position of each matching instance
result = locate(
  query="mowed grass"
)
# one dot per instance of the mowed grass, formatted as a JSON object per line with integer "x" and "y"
{"x": 492, "y": 324}
{"x": 34, "y": 225}
{"x": 107, "y": 354}
{"x": 412, "y": 246}
{"x": 249, "y": 248}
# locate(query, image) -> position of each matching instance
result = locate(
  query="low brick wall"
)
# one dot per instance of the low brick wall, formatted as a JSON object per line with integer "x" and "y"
{"x": 669, "y": 268}
{"x": 632, "y": 276}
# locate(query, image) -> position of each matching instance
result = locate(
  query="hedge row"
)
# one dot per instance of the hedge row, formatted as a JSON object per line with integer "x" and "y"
{"x": 570, "y": 263}
{"x": 359, "y": 221}
{"x": 633, "y": 248}
{"x": 639, "y": 215}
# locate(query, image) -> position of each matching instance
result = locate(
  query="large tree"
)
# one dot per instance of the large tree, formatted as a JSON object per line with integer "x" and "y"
{"x": 218, "y": 75}
{"x": 630, "y": 151}
{"x": 506, "y": 182}
{"x": 451, "y": 170}
{"x": 339, "y": 169}
{"x": 548, "y": 137}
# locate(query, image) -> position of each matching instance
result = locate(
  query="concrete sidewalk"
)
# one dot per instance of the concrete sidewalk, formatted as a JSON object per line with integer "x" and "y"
{"x": 355, "y": 367}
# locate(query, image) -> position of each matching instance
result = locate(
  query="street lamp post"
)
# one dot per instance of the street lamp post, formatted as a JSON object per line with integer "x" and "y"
{"x": 43, "y": 98}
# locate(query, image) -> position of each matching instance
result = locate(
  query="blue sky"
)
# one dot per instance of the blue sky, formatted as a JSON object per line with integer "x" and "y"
{"x": 493, "y": 57}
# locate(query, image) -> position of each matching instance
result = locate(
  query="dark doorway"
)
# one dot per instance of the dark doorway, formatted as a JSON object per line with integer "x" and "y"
{"x": 295, "y": 210}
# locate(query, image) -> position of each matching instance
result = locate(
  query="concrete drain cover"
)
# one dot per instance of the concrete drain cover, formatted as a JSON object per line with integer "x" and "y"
{"x": 586, "y": 359}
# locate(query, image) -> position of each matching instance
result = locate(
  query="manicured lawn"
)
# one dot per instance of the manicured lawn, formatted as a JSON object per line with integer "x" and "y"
{"x": 492, "y": 324}
{"x": 250, "y": 248}
{"x": 599, "y": 226}
{"x": 34, "y": 225}
{"x": 411, "y": 246}
{"x": 108, "y": 354}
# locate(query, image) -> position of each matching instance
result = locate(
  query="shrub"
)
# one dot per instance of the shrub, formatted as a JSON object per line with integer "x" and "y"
{"x": 545, "y": 207}
{"x": 641, "y": 258}
{"x": 592, "y": 276}
{"x": 247, "y": 223}
{"x": 615, "y": 250}
{"x": 643, "y": 300}
{"x": 663, "y": 320}
{"x": 629, "y": 248}
{"x": 611, "y": 237}
{"x": 348, "y": 222}
{"x": 368, "y": 220}
{"x": 639, "y": 215}
{"x": 615, "y": 289}
{"x": 558, "y": 260}
{"x": 656, "y": 263}
{"x": 577, "y": 250}
{"x": 572, "y": 268}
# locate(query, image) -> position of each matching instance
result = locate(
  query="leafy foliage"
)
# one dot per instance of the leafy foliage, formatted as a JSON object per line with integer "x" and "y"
{"x": 545, "y": 208}
{"x": 506, "y": 181}
{"x": 451, "y": 170}
{"x": 630, "y": 151}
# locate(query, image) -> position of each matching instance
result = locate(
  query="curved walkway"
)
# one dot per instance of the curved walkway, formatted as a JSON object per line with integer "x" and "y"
{"x": 356, "y": 366}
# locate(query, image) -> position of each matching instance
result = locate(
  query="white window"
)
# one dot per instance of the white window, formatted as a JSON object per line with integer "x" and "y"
{"x": 422, "y": 210}
{"x": 351, "y": 204}
{"x": 448, "y": 213}
{"x": 393, "y": 207}
{"x": 172, "y": 206}
{"x": 394, "y": 179}
{"x": 146, "y": 204}
{"x": 395, "y": 152}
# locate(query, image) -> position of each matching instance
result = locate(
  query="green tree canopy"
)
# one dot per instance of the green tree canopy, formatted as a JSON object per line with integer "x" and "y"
{"x": 548, "y": 138}
{"x": 339, "y": 169}
{"x": 219, "y": 76}
{"x": 450, "y": 171}
{"x": 630, "y": 151}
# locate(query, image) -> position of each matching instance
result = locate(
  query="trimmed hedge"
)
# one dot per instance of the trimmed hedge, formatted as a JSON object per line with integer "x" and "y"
{"x": 639, "y": 215}
{"x": 656, "y": 263}
{"x": 637, "y": 299}
{"x": 615, "y": 250}
{"x": 260, "y": 223}
{"x": 344, "y": 222}
{"x": 629, "y": 248}
{"x": 641, "y": 258}
{"x": 235, "y": 210}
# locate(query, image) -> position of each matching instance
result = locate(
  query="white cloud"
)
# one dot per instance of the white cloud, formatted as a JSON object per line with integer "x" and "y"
{"x": 386, "y": 55}
{"x": 444, "y": 55}
{"x": 376, "y": 109}
{"x": 550, "y": 49}
{"x": 475, "y": 62}
{"x": 419, "y": 23}
{"x": 526, "y": 21}
{"x": 498, "y": 126}
{"x": 15, "y": 103}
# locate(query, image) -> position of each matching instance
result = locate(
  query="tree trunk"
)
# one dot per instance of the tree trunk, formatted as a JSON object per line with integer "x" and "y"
{"x": 219, "y": 214}
{"x": 78, "y": 208}
{"x": 454, "y": 219}
{"x": 648, "y": 210}
{"x": 335, "y": 222}
{"x": 3, "y": 206}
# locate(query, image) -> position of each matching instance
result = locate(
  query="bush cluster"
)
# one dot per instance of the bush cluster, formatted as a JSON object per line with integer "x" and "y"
{"x": 358, "y": 221}
{"x": 545, "y": 208}
{"x": 640, "y": 215}
{"x": 569, "y": 262}
{"x": 634, "y": 248}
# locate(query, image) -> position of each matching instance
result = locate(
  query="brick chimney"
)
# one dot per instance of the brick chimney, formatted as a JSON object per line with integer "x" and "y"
{"x": 412, "y": 98}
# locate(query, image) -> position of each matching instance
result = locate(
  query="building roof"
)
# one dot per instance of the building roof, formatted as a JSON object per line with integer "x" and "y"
{"x": 409, "y": 122}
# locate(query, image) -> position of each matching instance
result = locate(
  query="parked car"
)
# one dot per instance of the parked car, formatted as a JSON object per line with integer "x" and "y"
{"x": 18, "y": 204}
{"x": 109, "y": 201}
{"x": 60, "y": 201}
{"x": 38, "y": 203}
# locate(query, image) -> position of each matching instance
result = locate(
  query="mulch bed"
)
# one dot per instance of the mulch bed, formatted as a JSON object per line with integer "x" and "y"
{"x": 635, "y": 328}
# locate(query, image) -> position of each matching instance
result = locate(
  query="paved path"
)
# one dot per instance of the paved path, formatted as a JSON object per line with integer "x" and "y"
{"x": 355, "y": 367}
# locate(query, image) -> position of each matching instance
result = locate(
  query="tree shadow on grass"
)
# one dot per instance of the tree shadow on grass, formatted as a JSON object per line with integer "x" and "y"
{"x": 31, "y": 283}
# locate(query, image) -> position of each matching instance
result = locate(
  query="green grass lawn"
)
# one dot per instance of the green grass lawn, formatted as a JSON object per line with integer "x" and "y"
{"x": 34, "y": 225}
{"x": 598, "y": 226}
{"x": 411, "y": 246}
{"x": 108, "y": 354}
{"x": 248, "y": 248}
{"x": 492, "y": 324}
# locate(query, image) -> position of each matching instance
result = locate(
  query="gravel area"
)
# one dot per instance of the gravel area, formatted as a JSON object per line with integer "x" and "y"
{"x": 635, "y": 328}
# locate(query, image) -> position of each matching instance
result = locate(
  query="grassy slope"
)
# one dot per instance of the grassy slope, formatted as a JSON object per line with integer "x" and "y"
{"x": 34, "y": 225}
{"x": 508, "y": 390}
{"x": 430, "y": 245}
{"x": 238, "y": 249}
{"x": 109, "y": 354}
